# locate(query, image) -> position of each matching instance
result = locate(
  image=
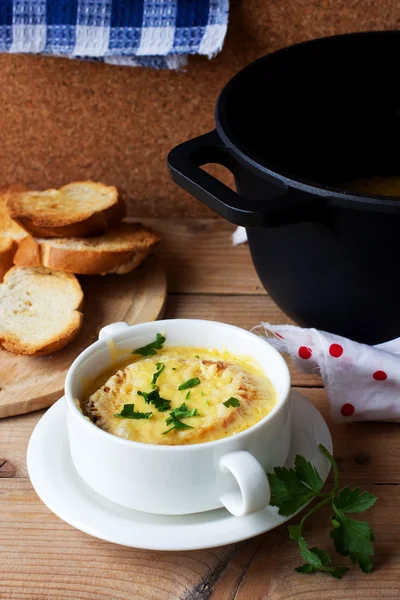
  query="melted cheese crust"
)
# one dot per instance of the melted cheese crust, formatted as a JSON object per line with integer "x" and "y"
{"x": 221, "y": 375}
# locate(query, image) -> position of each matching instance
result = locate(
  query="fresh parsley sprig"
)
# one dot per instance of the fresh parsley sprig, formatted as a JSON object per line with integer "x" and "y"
{"x": 292, "y": 488}
{"x": 128, "y": 412}
{"x": 150, "y": 349}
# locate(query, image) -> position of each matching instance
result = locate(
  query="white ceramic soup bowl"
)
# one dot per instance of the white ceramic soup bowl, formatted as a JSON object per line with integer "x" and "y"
{"x": 181, "y": 479}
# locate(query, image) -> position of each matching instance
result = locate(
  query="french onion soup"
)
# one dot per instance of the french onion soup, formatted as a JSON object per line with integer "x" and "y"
{"x": 382, "y": 186}
{"x": 179, "y": 395}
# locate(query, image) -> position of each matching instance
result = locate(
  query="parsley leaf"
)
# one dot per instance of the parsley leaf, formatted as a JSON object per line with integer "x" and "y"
{"x": 352, "y": 501}
{"x": 294, "y": 531}
{"x": 322, "y": 555}
{"x": 305, "y": 569}
{"x": 315, "y": 556}
{"x": 318, "y": 560}
{"x": 350, "y": 537}
{"x": 308, "y": 473}
{"x": 128, "y": 412}
{"x": 181, "y": 413}
{"x": 160, "y": 368}
{"x": 150, "y": 349}
{"x": 187, "y": 395}
{"x": 189, "y": 383}
{"x": 161, "y": 404}
{"x": 336, "y": 572}
{"x": 354, "y": 538}
{"x": 292, "y": 488}
{"x": 177, "y": 414}
{"x": 177, "y": 425}
{"x": 288, "y": 491}
{"x": 234, "y": 402}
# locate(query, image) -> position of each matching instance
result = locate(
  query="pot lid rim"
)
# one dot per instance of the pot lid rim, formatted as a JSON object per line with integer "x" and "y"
{"x": 251, "y": 159}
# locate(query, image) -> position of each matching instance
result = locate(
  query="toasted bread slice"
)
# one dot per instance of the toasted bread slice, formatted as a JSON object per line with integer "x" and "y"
{"x": 119, "y": 250}
{"x": 8, "y": 248}
{"x": 39, "y": 310}
{"x": 10, "y": 232}
{"x": 8, "y": 227}
{"x": 79, "y": 209}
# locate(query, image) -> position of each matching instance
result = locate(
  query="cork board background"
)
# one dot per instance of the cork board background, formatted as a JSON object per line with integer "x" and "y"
{"x": 63, "y": 120}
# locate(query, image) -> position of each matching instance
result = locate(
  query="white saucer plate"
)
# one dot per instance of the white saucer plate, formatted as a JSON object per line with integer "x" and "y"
{"x": 63, "y": 491}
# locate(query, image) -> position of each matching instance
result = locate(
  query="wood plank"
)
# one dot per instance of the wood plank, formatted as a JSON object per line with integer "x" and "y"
{"x": 242, "y": 311}
{"x": 200, "y": 258}
{"x": 58, "y": 562}
{"x": 43, "y": 557}
{"x": 14, "y": 437}
{"x": 366, "y": 452}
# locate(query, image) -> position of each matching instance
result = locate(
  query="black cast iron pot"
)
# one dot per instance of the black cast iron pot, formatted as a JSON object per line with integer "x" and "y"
{"x": 294, "y": 128}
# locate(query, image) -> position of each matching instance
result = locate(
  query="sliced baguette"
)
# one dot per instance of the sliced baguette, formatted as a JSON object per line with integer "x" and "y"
{"x": 10, "y": 232}
{"x": 8, "y": 248}
{"x": 119, "y": 250}
{"x": 39, "y": 310}
{"x": 79, "y": 209}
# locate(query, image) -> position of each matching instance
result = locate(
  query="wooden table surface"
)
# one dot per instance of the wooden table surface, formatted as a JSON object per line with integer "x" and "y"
{"x": 43, "y": 558}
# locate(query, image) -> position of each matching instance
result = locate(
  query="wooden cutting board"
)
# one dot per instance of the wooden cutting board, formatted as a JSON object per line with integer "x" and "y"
{"x": 32, "y": 383}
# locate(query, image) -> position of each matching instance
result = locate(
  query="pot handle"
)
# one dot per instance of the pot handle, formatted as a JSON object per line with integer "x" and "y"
{"x": 184, "y": 164}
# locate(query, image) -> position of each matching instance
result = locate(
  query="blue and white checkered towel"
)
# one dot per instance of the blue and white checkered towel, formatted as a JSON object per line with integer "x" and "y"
{"x": 155, "y": 33}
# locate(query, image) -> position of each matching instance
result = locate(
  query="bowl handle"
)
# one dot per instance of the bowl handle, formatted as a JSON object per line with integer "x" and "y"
{"x": 254, "y": 492}
{"x": 279, "y": 208}
{"x": 110, "y": 330}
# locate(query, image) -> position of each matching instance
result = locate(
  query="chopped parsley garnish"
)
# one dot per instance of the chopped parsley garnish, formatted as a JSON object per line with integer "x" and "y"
{"x": 201, "y": 393}
{"x": 177, "y": 424}
{"x": 160, "y": 368}
{"x": 150, "y": 349}
{"x": 173, "y": 368}
{"x": 161, "y": 404}
{"x": 187, "y": 395}
{"x": 189, "y": 383}
{"x": 197, "y": 356}
{"x": 234, "y": 402}
{"x": 181, "y": 413}
{"x": 128, "y": 412}
{"x": 177, "y": 414}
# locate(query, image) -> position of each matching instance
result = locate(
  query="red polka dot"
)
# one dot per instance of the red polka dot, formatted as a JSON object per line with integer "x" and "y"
{"x": 335, "y": 350}
{"x": 278, "y": 335}
{"x": 379, "y": 375}
{"x": 305, "y": 352}
{"x": 347, "y": 410}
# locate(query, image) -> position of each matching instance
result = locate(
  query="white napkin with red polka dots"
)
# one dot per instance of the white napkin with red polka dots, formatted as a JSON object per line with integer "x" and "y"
{"x": 362, "y": 382}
